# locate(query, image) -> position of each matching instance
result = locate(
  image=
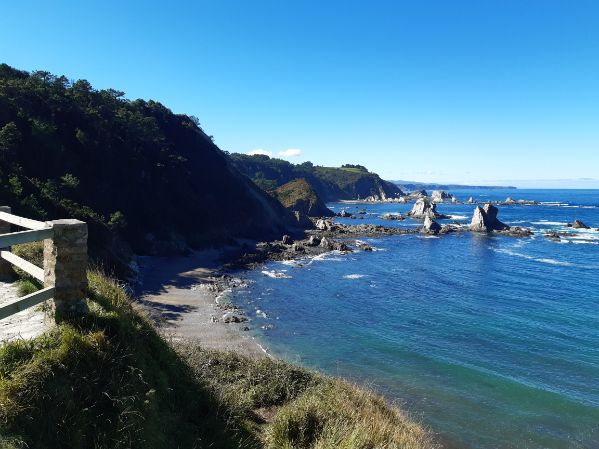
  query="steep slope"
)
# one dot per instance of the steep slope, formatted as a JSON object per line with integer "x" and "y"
{"x": 298, "y": 195}
{"x": 140, "y": 175}
{"x": 329, "y": 183}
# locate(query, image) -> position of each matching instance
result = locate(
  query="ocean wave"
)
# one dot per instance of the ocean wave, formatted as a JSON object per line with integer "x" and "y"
{"x": 354, "y": 276}
{"x": 536, "y": 259}
{"x": 276, "y": 274}
{"x": 556, "y": 262}
{"x": 548, "y": 223}
{"x": 458, "y": 217}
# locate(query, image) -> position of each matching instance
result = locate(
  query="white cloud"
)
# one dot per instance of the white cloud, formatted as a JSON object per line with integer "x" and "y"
{"x": 291, "y": 152}
{"x": 260, "y": 151}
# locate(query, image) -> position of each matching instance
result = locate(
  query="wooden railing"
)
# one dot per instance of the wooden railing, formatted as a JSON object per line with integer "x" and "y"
{"x": 65, "y": 261}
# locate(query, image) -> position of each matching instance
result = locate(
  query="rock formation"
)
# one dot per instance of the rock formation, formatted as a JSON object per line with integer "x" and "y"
{"x": 485, "y": 219}
{"x": 431, "y": 226}
{"x": 579, "y": 225}
{"x": 470, "y": 200}
{"x": 298, "y": 195}
{"x": 424, "y": 208}
{"x": 439, "y": 196}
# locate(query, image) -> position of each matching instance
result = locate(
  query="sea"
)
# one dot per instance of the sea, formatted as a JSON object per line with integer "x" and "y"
{"x": 489, "y": 341}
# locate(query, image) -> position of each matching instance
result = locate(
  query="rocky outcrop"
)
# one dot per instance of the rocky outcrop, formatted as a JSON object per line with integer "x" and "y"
{"x": 324, "y": 225}
{"x": 470, "y": 200}
{"x": 424, "y": 208}
{"x": 302, "y": 220}
{"x": 485, "y": 219}
{"x": 287, "y": 240}
{"x": 440, "y": 196}
{"x": 416, "y": 194}
{"x": 393, "y": 216}
{"x": 344, "y": 214}
{"x": 579, "y": 225}
{"x": 313, "y": 241}
{"x": 431, "y": 226}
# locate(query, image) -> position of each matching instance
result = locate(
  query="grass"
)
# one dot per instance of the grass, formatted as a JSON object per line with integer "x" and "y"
{"x": 109, "y": 380}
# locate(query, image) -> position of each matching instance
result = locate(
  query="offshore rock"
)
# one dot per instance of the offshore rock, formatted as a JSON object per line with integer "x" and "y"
{"x": 424, "y": 208}
{"x": 439, "y": 196}
{"x": 485, "y": 219}
{"x": 431, "y": 226}
{"x": 579, "y": 225}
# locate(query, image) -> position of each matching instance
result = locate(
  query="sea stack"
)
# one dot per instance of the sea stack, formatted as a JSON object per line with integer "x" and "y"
{"x": 485, "y": 219}
{"x": 470, "y": 200}
{"x": 430, "y": 226}
{"x": 439, "y": 196}
{"x": 424, "y": 208}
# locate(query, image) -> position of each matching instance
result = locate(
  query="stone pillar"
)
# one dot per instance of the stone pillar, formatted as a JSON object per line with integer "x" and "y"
{"x": 6, "y": 271}
{"x": 65, "y": 267}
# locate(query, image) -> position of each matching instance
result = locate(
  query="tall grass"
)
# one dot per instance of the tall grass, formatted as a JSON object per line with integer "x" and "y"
{"x": 109, "y": 380}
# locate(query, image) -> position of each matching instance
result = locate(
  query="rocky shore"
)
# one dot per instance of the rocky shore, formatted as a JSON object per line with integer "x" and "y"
{"x": 194, "y": 302}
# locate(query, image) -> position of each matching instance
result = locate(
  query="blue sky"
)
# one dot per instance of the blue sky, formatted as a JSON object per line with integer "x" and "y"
{"x": 473, "y": 91}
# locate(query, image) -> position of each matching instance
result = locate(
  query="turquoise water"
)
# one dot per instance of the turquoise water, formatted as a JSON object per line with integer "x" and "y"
{"x": 491, "y": 341}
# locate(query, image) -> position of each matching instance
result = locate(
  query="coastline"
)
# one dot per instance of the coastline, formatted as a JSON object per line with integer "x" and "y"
{"x": 180, "y": 294}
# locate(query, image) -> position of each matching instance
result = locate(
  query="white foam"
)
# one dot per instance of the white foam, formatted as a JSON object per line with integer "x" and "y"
{"x": 354, "y": 276}
{"x": 548, "y": 223}
{"x": 555, "y": 262}
{"x": 276, "y": 274}
{"x": 458, "y": 217}
{"x": 542, "y": 260}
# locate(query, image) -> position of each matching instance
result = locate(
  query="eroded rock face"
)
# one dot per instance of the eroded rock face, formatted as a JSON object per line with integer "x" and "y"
{"x": 287, "y": 240}
{"x": 424, "y": 208}
{"x": 323, "y": 225}
{"x": 302, "y": 220}
{"x": 313, "y": 241}
{"x": 439, "y": 196}
{"x": 431, "y": 226}
{"x": 485, "y": 219}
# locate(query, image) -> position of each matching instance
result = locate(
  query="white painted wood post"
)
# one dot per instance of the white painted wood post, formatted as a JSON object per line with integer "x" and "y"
{"x": 65, "y": 267}
{"x": 6, "y": 271}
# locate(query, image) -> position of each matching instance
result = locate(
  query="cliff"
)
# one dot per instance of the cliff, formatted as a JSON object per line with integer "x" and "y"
{"x": 298, "y": 195}
{"x": 329, "y": 183}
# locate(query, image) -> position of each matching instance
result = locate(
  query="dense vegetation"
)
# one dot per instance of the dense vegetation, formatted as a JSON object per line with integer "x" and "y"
{"x": 110, "y": 381}
{"x": 141, "y": 176}
{"x": 298, "y": 195}
{"x": 330, "y": 183}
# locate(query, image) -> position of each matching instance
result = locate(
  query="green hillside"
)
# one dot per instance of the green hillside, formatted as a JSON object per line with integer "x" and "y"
{"x": 329, "y": 183}
{"x": 298, "y": 195}
{"x": 145, "y": 179}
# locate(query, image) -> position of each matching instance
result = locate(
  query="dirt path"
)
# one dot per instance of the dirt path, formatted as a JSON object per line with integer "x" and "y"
{"x": 175, "y": 292}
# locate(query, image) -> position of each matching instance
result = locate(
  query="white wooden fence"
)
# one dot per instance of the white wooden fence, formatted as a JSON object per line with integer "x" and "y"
{"x": 65, "y": 261}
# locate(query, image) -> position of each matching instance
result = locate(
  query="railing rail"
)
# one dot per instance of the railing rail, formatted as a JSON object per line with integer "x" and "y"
{"x": 65, "y": 262}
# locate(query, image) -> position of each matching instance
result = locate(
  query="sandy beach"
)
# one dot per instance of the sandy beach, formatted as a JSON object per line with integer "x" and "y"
{"x": 180, "y": 293}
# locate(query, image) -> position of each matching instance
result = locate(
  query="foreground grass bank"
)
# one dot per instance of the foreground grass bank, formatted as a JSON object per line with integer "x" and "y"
{"x": 111, "y": 381}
